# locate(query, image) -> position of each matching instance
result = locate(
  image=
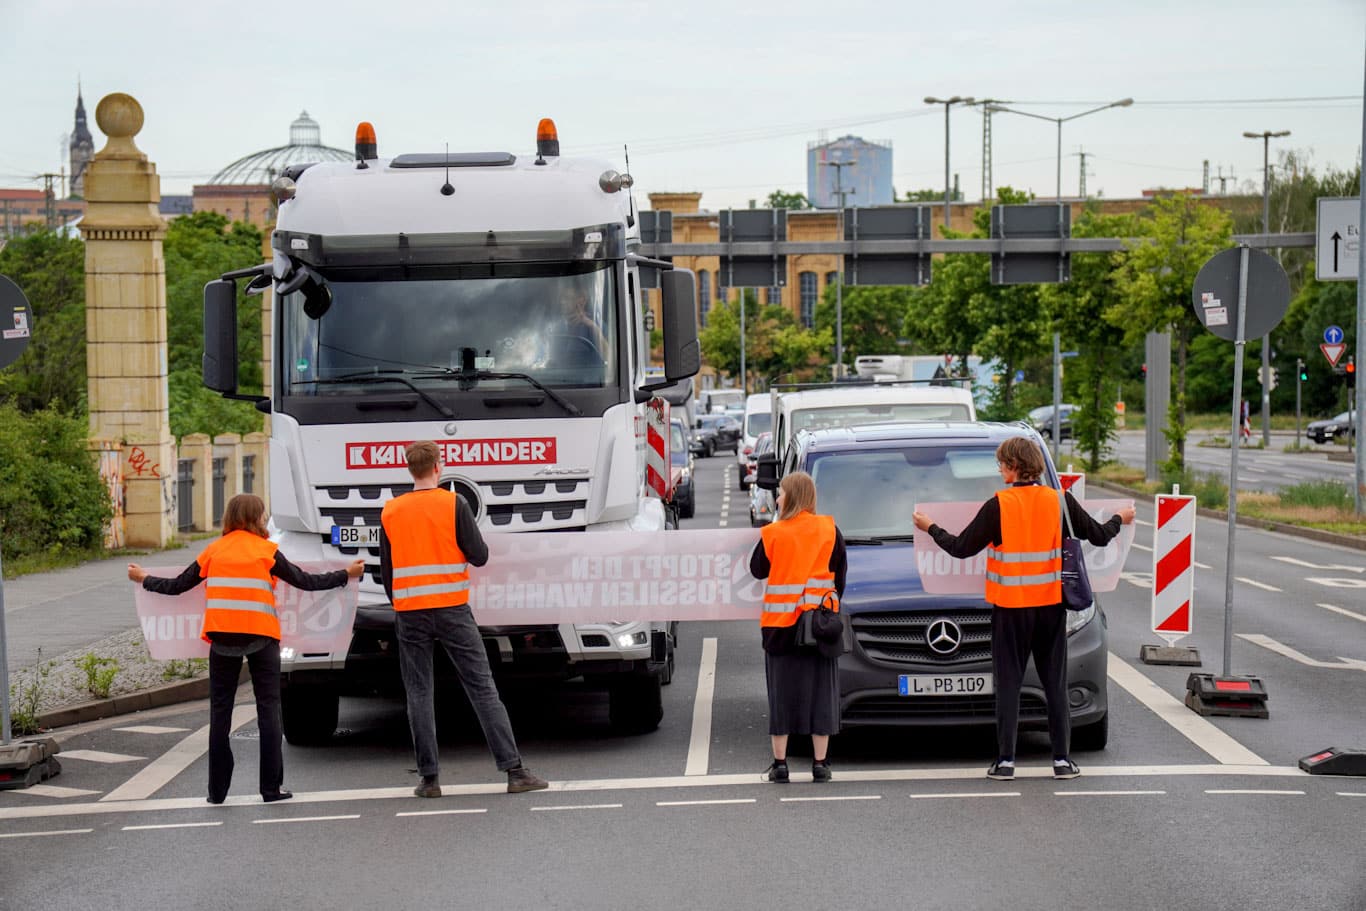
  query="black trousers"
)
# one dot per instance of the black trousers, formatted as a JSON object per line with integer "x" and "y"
{"x": 224, "y": 671}
{"x": 1017, "y": 633}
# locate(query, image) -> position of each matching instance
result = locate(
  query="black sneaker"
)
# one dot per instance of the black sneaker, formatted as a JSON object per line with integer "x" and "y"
{"x": 430, "y": 786}
{"x": 1065, "y": 768}
{"x": 820, "y": 770}
{"x": 777, "y": 772}
{"x": 1002, "y": 770}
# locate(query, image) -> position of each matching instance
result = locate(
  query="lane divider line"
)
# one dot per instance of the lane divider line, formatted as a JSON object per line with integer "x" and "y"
{"x": 52, "y": 790}
{"x": 266, "y": 822}
{"x": 1255, "y": 584}
{"x": 967, "y": 795}
{"x": 442, "y": 812}
{"x": 820, "y": 799}
{"x": 100, "y": 756}
{"x": 703, "y": 803}
{"x": 1344, "y": 611}
{"x": 1198, "y": 730}
{"x": 173, "y": 825}
{"x": 42, "y": 834}
{"x": 151, "y": 729}
{"x": 1105, "y": 793}
{"x": 699, "y": 744}
{"x": 581, "y": 806}
{"x": 1236, "y": 791}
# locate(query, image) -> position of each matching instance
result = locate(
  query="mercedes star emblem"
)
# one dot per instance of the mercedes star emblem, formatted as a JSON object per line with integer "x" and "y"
{"x": 943, "y": 636}
{"x": 450, "y": 429}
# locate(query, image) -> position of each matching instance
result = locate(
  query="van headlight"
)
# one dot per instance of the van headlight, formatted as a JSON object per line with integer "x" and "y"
{"x": 1076, "y": 619}
{"x": 631, "y": 640}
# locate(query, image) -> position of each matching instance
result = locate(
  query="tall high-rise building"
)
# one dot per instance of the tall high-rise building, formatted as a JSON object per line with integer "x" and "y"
{"x": 82, "y": 148}
{"x": 866, "y": 181}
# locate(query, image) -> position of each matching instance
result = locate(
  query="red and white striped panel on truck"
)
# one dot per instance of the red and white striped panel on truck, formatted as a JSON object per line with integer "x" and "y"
{"x": 1173, "y": 566}
{"x": 658, "y": 479}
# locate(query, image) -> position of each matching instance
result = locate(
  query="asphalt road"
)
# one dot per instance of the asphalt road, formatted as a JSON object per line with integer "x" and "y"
{"x": 1178, "y": 812}
{"x": 1258, "y": 469}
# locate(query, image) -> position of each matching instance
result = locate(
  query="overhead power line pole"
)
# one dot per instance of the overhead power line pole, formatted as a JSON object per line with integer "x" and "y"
{"x": 1266, "y": 136}
{"x": 840, "y": 194}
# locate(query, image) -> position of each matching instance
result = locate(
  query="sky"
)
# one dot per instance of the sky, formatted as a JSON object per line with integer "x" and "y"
{"x": 709, "y": 96}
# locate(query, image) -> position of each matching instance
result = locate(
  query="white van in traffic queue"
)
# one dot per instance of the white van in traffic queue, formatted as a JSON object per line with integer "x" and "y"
{"x": 817, "y": 407}
{"x": 758, "y": 418}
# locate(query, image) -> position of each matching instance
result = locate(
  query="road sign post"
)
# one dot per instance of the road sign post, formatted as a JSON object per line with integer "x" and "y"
{"x": 1239, "y": 293}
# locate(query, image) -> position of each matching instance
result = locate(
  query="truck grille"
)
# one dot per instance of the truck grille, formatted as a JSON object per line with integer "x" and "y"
{"x": 899, "y": 637}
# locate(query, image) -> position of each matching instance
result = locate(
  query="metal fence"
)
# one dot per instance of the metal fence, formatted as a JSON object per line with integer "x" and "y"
{"x": 248, "y": 474}
{"x": 220, "y": 483}
{"x": 184, "y": 494}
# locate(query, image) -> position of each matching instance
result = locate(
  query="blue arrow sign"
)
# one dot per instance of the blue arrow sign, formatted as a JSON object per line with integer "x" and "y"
{"x": 1332, "y": 335}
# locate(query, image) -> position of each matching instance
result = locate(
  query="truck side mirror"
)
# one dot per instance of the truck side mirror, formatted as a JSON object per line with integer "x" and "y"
{"x": 766, "y": 472}
{"x": 682, "y": 351}
{"x": 220, "y": 336}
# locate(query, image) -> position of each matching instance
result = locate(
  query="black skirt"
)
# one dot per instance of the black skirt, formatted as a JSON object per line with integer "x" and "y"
{"x": 803, "y": 693}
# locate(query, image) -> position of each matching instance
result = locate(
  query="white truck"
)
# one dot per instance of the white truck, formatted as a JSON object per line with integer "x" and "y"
{"x": 488, "y": 301}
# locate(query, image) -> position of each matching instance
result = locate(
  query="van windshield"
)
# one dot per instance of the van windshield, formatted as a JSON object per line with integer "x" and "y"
{"x": 872, "y": 493}
{"x": 758, "y": 422}
{"x": 885, "y": 413}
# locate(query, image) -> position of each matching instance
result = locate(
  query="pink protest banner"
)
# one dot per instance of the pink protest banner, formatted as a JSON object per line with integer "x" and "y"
{"x": 309, "y": 621}
{"x": 941, "y": 574}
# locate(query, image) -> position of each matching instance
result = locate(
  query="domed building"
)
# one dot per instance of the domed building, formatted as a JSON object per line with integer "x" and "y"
{"x": 241, "y": 190}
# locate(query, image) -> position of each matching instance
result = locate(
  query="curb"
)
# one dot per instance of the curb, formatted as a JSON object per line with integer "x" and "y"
{"x": 1353, "y": 542}
{"x": 128, "y": 703}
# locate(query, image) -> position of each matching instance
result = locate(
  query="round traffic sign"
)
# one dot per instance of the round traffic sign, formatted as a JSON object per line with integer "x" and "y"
{"x": 1215, "y": 294}
{"x": 16, "y": 322}
{"x": 1333, "y": 335}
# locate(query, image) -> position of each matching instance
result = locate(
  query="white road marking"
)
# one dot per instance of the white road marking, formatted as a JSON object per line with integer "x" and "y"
{"x": 1139, "y": 580}
{"x": 52, "y": 790}
{"x": 1197, "y": 730}
{"x": 1253, "y": 791}
{"x": 1344, "y": 611}
{"x": 739, "y": 779}
{"x": 722, "y": 523}
{"x": 973, "y": 794}
{"x": 1307, "y": 565}
{"x": 1135, "y": 544}
{"x": 99, "y": 756}
{"x": 581, "y": 806}
{"x": 699, "y": 745}
{"x": 441, "y": 812}
{"x": 151, "y": 729}
{"x": 1254, "y": 583}
{"x": 173, "y": 825}
{"x": 1330, "y": 582}
{"x": 266, "y": 822}
{"x": 1142, "y": 522}
{"x": 702, "y": 803}
{"x": 41, "y": 834}
{"x": 1199, "y": 565}
{"x": 1105, "y": 793}
{"x": 1340, "y": 794}
{"x": 817, "y": 799}
{"x": 1266, "y": 642}
{"x": 160, "y": 771}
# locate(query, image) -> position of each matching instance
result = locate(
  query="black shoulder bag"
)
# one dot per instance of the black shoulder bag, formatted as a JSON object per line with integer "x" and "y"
{"x": 1076, "y": 585}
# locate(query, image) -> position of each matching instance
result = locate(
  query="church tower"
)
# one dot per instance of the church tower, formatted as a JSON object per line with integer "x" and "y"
{"x": 82, "y": 149}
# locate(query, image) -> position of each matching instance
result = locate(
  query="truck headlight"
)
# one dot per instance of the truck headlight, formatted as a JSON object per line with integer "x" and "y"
{"x": 286, "y": 653}
{"x": 1076, "y": 619}
{"x": 630, "y": 640}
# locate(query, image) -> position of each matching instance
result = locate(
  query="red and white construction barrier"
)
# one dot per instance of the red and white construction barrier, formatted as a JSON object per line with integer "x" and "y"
{"x": 657, "y": 475}
{"x": 1074, "y": 482}
{"x": 1173, "y": 567}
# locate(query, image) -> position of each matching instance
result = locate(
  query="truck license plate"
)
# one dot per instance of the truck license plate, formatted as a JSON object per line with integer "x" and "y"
{"x": 946, "y": 685}
{"x": 355, "y": 536}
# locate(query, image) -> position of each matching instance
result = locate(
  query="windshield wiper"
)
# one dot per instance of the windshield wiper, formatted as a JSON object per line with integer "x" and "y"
{"x": 382, "y": 376}
{"x": 896, "y": 537}
{"x": 468, "y": 379}
{"x": 863, "y": 540}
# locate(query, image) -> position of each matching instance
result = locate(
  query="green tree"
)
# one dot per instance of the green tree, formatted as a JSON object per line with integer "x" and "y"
{"x": 1154, "y": 280}
{"x": 872, "y": 318}
{"x": 199, "y": 248}
{"x": 50, "y": 269}
{"x": 781, "y": 199}
{"x": 775, "y": 346}
{"x": 930, "y": 196}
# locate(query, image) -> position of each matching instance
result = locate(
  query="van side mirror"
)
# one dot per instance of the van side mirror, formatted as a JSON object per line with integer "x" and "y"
{"x": 682, "y": 351}
{"x": 766, "y": 472}
{"x": 219, "y": 364}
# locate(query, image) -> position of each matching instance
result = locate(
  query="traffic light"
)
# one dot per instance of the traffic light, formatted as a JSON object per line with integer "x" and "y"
{"x": 1272, "y": 384}
{"x": 1351, "y": 370}
{"x": 1303, "y": 371}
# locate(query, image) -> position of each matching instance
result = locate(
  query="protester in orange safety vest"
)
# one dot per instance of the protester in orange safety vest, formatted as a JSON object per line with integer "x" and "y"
{"x": 240, "y": 570}
{"x": 1021, "y": 528}
{"x": 428, "y": 540}
{"x": 802, "y": 556}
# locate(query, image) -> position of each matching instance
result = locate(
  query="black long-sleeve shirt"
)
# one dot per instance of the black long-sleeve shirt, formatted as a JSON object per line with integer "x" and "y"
{"x": 985, "y": 528}
{"x": 782, "y": 640}
{"x": 467, "y": 536}
{"x": 246, "y": 643}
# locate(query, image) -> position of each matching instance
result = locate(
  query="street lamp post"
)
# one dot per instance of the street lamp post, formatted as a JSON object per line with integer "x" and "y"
{"x": 947, "y": 103}
{"x": 1122, "y": 103}
{"x": 1266, "y": 136}
{"x": 840, "y": 193}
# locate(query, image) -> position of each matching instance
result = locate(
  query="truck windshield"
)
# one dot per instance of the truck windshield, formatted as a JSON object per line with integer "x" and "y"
{"x": 559, "y": 327}
{"x": 872, "y": 493}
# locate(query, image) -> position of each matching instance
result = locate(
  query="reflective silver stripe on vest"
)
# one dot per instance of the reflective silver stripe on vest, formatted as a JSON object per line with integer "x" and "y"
{"x": 232, "y": 604}
{"x": 816, "y": 599}
{"x": 1024, "y": 556}
{"x": 419, "y": 591}
{"x": 795, "y": 589}
{"x": 432, "y": 569}
{"x": 781, "y": 607}
{"x": 1041, "y": 579}
{"x": 822, "y": 582}
{"x": 235, "y": 582}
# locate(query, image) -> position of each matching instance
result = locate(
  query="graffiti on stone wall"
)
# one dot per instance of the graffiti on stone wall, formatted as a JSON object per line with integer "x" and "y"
{"x": 141, "y": 465}
{"x": 111, "y": 474}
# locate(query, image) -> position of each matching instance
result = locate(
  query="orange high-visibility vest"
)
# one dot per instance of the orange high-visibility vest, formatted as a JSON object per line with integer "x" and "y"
{"x": 1026, "y": 570}
{"x": 429, "y": 568}
{"x": 239, "y": 585}
{"x": 799, "y": 567}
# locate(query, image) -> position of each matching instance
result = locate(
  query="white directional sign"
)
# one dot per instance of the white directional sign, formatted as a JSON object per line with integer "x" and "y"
{"x": 1338, "y": 239}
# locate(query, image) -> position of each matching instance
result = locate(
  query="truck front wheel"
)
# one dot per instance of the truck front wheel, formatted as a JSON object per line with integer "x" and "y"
{"x": 636, "y": 704}
{"x": 310, "y": 714}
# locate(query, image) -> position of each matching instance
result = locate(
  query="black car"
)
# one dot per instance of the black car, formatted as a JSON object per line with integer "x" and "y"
{"x": 1333, "y": 428}
{"x": 716, "y": 431}
{"x": 1041, "y": 419}
{"x": 921, "y": 659}
{"x": 680, "y": 466}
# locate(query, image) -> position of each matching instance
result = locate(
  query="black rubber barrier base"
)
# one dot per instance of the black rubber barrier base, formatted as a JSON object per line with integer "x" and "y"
{"x": 1335, "y": 761}
{"x": 1178, "y": 655}
{"x": 1236, "y": 697}
{"x": 27, "y": 762}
